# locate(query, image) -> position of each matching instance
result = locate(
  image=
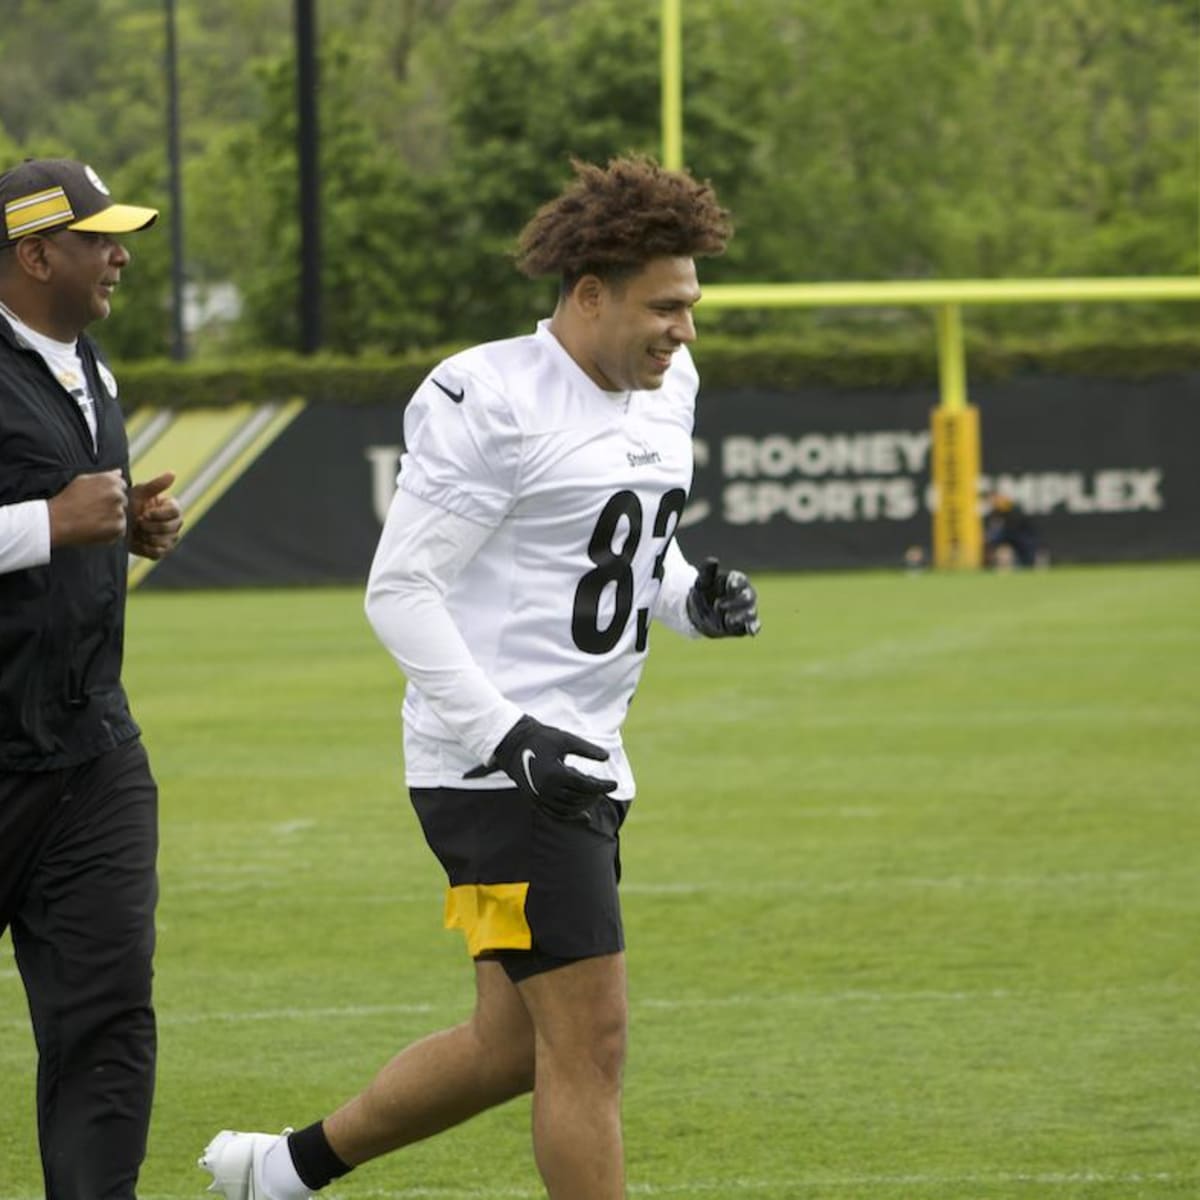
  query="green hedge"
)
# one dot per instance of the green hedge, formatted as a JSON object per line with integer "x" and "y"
{"x": 777, "y": 363}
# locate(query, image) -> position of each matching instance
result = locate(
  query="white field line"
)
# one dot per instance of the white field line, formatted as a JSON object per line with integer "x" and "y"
{"x": 754, "y": 1000}
{"x": 339, "y": 1012}
{"x": 1014, "y": 883}
{"x": 1122, "y": 714}
{"x": 250, "y": 876}
{"x": 228, "y": 1017}
{"x": 872, "y": 996}
{"x": 791, "y": 1186}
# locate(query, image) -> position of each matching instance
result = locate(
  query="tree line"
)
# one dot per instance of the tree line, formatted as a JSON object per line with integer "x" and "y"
{"x": 868, "y": 139}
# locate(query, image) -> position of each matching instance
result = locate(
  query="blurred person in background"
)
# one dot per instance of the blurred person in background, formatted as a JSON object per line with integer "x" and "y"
{"x": 78, "y": 805}
{"x": 1010, "y": 537}
{"x": 529, "y": 546}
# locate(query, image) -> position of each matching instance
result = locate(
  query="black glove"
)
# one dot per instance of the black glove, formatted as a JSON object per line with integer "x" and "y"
{"x": 723, "y": 603}
{"x": 531, "y": 755}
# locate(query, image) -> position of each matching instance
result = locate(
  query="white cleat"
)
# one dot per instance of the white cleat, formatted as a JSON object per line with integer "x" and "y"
{"x": 234, "y": 1160}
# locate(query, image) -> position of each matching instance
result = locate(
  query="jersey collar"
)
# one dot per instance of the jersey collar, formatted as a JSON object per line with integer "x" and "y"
{"x": 545, "y": 335}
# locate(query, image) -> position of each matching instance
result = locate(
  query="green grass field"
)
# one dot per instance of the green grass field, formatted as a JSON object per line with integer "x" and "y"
{"x": 911, "y": 895}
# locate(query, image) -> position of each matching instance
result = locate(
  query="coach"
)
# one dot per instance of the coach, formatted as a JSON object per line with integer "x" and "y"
{"x": 78, "y": 805}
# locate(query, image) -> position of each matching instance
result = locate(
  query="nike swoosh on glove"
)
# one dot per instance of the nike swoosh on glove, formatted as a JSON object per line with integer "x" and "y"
{"x": 723, "y": 603}
{"x": 531, "y": 755}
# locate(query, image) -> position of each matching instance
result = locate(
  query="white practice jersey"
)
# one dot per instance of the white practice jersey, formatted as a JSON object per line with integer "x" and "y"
{"x": 579, "y": 491}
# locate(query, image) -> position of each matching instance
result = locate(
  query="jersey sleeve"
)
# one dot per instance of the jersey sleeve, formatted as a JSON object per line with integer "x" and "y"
{"x": 421, "y": 552}
{"x": 671, "y": 606}
{"x": 462, "y": 447}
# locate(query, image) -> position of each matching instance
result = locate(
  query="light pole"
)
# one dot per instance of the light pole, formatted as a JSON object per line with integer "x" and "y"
{"x": 178, "y": 338}
{"x": 310, "y": 182}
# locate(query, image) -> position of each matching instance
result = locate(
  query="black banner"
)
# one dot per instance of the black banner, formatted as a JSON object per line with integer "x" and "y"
{"x": 810, "y": 480}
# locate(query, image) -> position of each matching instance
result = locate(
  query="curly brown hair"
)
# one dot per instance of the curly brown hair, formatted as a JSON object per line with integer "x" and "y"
{"x": 610, "y": 221}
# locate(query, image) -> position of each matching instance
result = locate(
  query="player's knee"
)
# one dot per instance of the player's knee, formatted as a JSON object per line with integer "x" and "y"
{"x": 596, "y": 1057}
{"x": 609, "y": 1050}
{"x": 509, "y": 1051}
{"x": 517, "y": 1061}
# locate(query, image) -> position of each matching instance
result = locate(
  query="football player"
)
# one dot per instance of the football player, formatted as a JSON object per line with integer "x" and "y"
{"x": 528, "y": 549}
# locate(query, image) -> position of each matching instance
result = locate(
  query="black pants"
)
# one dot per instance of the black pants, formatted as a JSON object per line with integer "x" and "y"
{"x": 78, "y": 886}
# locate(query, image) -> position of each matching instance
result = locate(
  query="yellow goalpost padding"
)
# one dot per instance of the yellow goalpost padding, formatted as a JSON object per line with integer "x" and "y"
{"x": 954, "y": 458}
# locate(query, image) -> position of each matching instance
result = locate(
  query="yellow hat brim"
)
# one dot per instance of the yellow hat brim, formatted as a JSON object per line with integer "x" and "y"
{"x": 117, "y": 218}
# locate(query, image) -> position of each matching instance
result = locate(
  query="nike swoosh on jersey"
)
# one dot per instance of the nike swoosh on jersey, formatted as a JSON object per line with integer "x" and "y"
{"x": 527, "y": 756}
{"x": 457, "y": 397}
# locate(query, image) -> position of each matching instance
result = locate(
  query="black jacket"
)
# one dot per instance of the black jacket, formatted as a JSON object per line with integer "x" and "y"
{"x": 62, "y": 625}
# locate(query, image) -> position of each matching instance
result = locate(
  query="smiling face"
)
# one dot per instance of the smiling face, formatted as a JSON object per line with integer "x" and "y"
{"x": 632, "y": 325}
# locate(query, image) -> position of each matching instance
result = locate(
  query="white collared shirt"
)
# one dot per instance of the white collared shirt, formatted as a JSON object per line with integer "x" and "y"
{"x": 24, "y": 535}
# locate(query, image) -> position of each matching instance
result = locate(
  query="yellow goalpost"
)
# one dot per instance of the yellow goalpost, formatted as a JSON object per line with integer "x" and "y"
{"x": 954, "y": 422}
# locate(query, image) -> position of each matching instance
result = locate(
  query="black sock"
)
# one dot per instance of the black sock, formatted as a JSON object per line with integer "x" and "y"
{"x": 313, "y": 1157}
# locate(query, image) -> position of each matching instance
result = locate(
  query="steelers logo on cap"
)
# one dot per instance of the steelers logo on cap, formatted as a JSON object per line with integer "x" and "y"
{"x": 95, "y": 180}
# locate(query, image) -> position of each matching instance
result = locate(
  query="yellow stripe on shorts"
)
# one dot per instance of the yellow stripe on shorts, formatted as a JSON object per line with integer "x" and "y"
{"x": 491, "y": 915}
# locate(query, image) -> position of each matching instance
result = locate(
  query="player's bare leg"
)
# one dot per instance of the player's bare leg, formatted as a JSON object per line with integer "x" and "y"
{"x": 443, "y": 1079}
{"x": 580, "y": 1015}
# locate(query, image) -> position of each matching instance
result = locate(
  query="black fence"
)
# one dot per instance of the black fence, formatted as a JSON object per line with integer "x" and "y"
{"x": 813, "y": 480}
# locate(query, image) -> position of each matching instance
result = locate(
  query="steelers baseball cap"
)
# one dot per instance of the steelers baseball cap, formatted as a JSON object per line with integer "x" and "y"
{"x": 43, "y": 194}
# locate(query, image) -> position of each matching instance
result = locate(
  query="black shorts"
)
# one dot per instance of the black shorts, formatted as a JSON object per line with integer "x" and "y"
{"x": 524, "y": 887}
